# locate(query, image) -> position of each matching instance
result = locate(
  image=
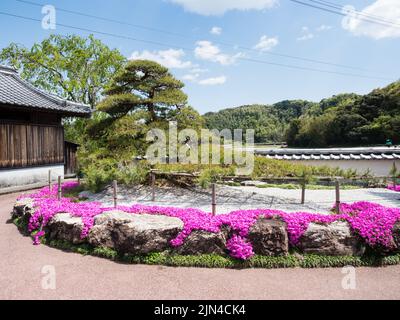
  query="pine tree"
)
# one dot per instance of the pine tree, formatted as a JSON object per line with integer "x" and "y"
{"x": 144, "y": 85}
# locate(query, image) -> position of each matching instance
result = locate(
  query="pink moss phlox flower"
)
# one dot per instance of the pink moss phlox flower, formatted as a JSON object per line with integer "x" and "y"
{"x": 240, "y": 248}
{"x": 395, "y": 188}
{"x": 373, "y": 222}
{"x": 37, "y": 236}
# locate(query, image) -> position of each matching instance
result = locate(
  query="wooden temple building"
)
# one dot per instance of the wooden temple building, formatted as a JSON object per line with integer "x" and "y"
{"x": 31, "y": 132}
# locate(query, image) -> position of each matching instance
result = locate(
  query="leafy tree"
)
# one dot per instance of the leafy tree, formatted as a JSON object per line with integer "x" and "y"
{"x": 73, "y": 67}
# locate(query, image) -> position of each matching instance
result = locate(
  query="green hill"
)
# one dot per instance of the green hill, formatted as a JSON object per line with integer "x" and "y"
{"x": 342, "y": 120}
{"x": 270, "y": 122}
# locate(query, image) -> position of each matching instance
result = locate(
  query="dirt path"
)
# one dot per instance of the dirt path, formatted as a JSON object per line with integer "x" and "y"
{"x": 79, "y": 277}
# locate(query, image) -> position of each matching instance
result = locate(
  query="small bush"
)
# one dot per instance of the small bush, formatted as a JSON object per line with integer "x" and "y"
{"x": 133, "y": 174}
{"x": 100, "y": 173}
{"x": 103, "y": 171}
{"x": 213, "y": 175}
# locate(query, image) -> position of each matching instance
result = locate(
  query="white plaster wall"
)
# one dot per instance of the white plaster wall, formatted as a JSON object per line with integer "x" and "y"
{"x": 377, "y": 167}
{"x": 18, "y": 177}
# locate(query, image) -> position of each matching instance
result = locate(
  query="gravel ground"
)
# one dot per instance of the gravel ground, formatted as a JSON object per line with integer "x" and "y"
{"x": 238, "y": 198}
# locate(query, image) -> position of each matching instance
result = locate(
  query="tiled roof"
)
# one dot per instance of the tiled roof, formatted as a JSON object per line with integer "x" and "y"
{"x": 17, "y": 92}
{"x": 332, "y": 154}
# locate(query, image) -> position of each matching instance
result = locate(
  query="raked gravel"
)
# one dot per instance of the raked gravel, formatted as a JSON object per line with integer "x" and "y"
{"x": 243, "y": 198}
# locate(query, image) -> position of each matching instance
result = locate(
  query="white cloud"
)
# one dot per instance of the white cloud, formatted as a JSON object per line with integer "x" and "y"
{"x": 205, "y": 50}
{"x": 388, "y": 10}
{"x": 266, "y": 44}
{"x": 306, "y": 34}
{"x": 213, "y": 81}
{"x": 324, "y": 27}
{"x": 170, "y": 58}
{"x": 193, "y": 77}
{"x": 219, "y": 7}
{"x": 216, "y": 31}
{"x": 198, "y": 70}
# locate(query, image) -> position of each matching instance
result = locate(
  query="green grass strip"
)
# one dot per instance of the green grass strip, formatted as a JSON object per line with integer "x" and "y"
{"x": 225, "y": 262}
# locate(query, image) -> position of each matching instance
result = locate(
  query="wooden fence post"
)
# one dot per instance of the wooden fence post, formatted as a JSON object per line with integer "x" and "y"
{"x": 115, "y": 193}
{"x": 50, "y": 180}
{"x": 214, "y": 199}
{"x": 153, "y": 186}
{"x": 78, "y": 174}
{"x": 303, "y": 192}
{"x": 59, "y": 193}
{"x": 337, "y": 184}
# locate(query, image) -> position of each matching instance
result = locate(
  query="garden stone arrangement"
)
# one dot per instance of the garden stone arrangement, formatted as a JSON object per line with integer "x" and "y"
{"x": 142, "y": 230}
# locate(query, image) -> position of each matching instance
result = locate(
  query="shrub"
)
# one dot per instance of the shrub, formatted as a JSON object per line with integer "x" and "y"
{"x": 133, "y": 174}
{"x": 214, "y": 174}
{"x": 103, "y": 171}
{"x": 100, "y": 173}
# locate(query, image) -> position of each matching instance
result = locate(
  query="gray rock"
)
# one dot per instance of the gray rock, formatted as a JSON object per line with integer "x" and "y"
{"x": 134, "y": 233}
{"x": 335, "y": 239}
{"x": 252, "y": 183}
{"x": 203, "y": 242}
{"x": 23, "y": 207}
{"x": 85, "y": 195}
{"x": 65, "y": 227}
{"x": 269, "y": 237}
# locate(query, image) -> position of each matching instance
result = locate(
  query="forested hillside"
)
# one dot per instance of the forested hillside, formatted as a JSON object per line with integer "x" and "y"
{"x": 342, "y": 120}
{"x": 351, "y": 120}
{"x": 270, "y": 122}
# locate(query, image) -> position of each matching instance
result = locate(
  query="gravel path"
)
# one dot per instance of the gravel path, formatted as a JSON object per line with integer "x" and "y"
{"x": 238, "y": 198}
{"x": 80, "y": 277}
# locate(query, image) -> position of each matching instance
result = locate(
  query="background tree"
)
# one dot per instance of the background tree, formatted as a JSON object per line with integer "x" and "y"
{"x": 72, "y": 67}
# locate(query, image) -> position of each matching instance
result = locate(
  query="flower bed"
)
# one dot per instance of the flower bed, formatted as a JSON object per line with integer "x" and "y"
{"x": 372, "y": 222}
{"x": 394, "y": 188}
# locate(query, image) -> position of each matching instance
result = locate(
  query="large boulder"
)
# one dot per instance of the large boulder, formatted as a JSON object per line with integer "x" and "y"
{"x": 203, "y": 242}
{"x": 269, "y": 237}
{"x": 335, "y": 239}
{"x": 134, "y": 233}
{"x": 23, "y": 207}
{"x": 65, "y": 227}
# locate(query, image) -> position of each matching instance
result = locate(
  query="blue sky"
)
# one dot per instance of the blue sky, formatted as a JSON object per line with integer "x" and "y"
{"x": 218, "y": 75}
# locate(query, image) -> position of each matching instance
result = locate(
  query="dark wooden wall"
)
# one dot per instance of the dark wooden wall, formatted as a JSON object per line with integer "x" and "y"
{"x": 27, "y": 145}
{"x": 71, "y": 163}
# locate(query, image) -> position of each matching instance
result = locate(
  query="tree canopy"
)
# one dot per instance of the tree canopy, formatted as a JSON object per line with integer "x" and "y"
{"x": 72, "y": 67}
